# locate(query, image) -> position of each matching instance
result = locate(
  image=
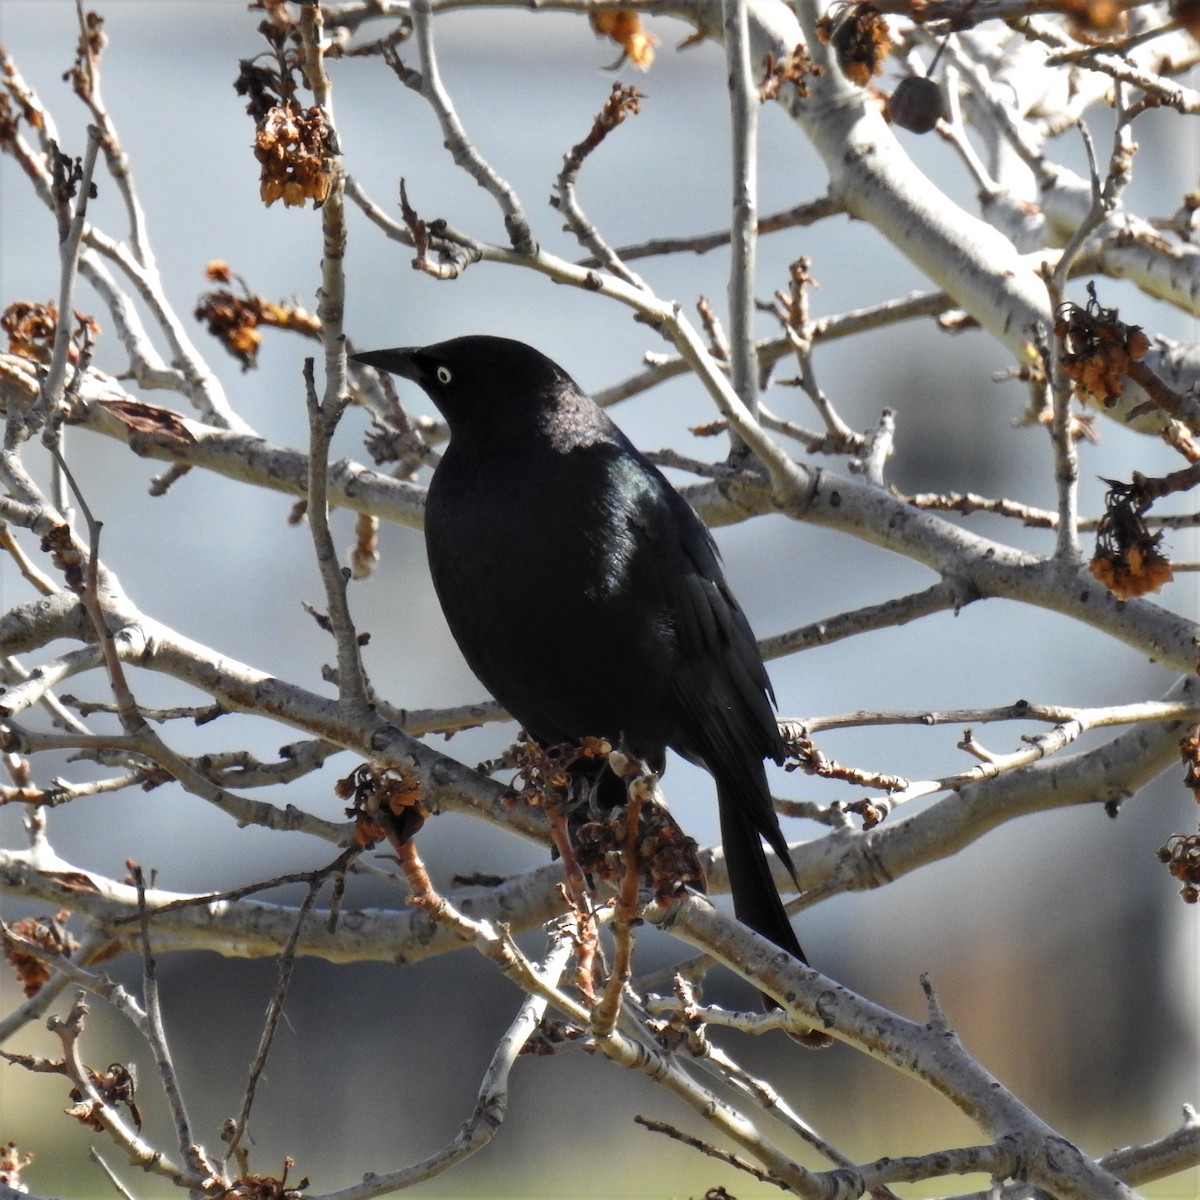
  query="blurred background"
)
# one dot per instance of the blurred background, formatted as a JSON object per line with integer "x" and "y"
{"x": 1059, "y": 946}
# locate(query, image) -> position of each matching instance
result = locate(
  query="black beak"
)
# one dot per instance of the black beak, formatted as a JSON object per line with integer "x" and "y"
{"x": 399, "y": 361}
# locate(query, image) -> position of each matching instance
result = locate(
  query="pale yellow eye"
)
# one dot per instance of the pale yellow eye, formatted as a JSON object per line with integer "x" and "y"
{"x": 444, "y": 375}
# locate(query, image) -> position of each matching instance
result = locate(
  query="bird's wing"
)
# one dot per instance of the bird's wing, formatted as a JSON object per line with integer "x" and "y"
{"x": 720, "y": 686}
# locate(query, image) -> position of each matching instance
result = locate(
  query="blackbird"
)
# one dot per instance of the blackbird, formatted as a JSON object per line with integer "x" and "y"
{"x": 586, "y": 594}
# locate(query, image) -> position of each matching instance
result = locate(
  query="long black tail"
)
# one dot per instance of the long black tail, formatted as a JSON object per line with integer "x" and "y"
{"x": 756, "y": 901}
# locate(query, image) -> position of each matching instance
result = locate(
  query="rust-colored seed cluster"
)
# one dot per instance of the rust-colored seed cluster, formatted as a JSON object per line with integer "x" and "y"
{"x": 1097, "y": 349}
{"x": 384, "y": 803}
{"x": 1182, "y": 857}
{"x": 860, "y": 38}
{"x": 624, "y": 26}
{"x": 30, "y": 328}
{"x": 268, "y": 1187}
{"x": 794, "y": 67}
{"x": 542, "y": 771}
{"x": 48, "y": 934}
{"x": 297, "y": 149}
{"x": 668, "y": 858}
{"x": 235, "y": 320}
{"x": 1128, "y": 560}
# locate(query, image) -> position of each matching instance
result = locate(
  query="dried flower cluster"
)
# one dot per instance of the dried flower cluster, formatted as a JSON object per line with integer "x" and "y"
{"x": 1181, "y": 854}
{"x": 298, "y": 152}
{"x": 268, "y": 79}
{"x": 860, "y": 38}
{"x": 546, "y": 771}
{"x": 295, "y": 146}
{"x": 622, "y": 102}
{"x": 47, "y": 933}
{"x": 1097, "y": 349}
{"x": 267, "y": 1187}
{"x": 1189, "y": 751}
{"x": 793, "y": 68}
{"x": 235, "y": 320}
{"x": 384, "y": 803}
{"x": 624, "y": 26}
{"x": 1128, "y": 560}
{"x": 668, "y": 858}
{"x": 31, "y": 328}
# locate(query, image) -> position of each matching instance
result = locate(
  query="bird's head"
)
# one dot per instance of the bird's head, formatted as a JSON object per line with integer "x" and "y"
{"x": 478, "y": 382}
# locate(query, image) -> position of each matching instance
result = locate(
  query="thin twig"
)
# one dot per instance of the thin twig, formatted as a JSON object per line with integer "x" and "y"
{"x": 110, "y": 1174}
{"x": 331, "y": 299}
{"x": 87, "y": 88}
{"x": 622, "y": 102}
{"x": 946, "y": 594}
{"x": 139, "y": 1151}
{"x": 491, "y": 1102}
{"x": 461, "y": 148}
{"x": 744, "y": 105}
{"x": 156, "y": 1036}
{"x": 287, "y": 960}
{"x": 701, "y": 243}
{"x": 71, "y": 229}
{"x": 727, "y": 1157}
{"x": 323, "y": 418}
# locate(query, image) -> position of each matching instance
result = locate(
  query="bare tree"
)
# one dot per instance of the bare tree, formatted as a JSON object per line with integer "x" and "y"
{"x": 1013, "y": 91}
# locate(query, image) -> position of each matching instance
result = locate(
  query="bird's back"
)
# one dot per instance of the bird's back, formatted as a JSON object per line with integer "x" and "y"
{"x": 541, "y": 566}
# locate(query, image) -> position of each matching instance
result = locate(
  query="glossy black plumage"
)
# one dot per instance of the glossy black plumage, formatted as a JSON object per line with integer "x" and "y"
{"x": 586, "y": 594}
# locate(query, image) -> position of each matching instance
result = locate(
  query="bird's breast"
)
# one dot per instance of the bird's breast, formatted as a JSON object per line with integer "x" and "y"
{"x": 540, "y": 576}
